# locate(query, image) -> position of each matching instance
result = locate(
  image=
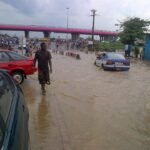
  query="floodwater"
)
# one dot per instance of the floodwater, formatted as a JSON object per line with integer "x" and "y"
{"x": 86, "y": 108}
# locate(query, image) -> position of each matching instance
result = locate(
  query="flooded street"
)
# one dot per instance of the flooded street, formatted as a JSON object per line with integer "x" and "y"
{"x": 86, "y": 108}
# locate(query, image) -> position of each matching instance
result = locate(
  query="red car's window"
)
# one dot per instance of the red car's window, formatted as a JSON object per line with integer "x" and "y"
{"x": 4, "y": 57}
{"x": 16, "y": 56}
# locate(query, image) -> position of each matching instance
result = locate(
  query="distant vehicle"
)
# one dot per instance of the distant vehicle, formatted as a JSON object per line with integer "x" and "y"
{"x": 112, "y": 61}
{"x": 14, "y": 115}
{"x": 17, "y": 65}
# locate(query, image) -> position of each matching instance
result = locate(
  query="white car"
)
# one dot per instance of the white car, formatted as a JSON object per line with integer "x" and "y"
{"x": 112, "y": 61}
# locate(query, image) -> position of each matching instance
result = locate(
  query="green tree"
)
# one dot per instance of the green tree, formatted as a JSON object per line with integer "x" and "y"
{"x": 109, "y": 46}
{"x": 132, "y": 29}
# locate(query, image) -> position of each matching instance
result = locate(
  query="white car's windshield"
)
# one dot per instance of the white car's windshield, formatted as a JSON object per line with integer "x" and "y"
{"x": 115, "y": 56}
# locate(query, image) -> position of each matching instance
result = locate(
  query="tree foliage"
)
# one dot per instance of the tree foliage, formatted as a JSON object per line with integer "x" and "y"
{"x": 109, "y": 46}
{"x": 132, "y": 29}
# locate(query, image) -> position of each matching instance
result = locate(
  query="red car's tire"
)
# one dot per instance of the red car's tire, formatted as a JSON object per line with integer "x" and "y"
{"x": 18, "y": 76}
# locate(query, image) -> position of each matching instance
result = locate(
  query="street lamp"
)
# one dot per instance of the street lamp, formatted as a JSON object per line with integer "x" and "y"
{"x": 93, "y": 15}
{"x": 67, "y": 27}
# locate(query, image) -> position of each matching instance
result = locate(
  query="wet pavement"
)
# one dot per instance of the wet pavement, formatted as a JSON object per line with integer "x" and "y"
{"x": 86, "y": 108}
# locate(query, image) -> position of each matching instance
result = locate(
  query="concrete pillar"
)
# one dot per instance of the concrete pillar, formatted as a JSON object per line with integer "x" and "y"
{"x": 75, "y": 36}
{"x": 100, "y": 38}
{"x": 105, "y": 38}
{"x": 109, "y": 37}
{"x": 46, "y": 34}
{"x": 26, "y": 34}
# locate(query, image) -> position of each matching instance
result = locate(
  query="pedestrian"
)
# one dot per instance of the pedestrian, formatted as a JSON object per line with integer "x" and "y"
{"x": 129, "y": 49}
{"x": 27, "y": 50}
{"x": 141, "y": 52}
{"x": 44, "y": 66}
{"x": 10, "y": 48}
{"x": 126, "y": 50}
{"x": 57, "y": 46}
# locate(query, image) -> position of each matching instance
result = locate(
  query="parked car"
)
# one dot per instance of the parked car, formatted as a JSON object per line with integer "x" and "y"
{"x": 14, "y": 115}
{"x": 112, "y": 61}
{"x": 17, "y": 65}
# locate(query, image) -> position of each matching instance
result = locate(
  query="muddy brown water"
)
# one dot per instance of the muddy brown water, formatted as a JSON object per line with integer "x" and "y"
{"x": 86, "y": 108}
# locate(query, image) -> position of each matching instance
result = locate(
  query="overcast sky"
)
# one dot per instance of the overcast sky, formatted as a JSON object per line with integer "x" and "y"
{"x": 53, "y": 12}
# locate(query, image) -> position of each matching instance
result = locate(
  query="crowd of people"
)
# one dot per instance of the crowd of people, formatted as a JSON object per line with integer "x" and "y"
{"x": 7, "y": 41}
{"x": 31, "y": 46}
{"x": 134, "y": 51}
{"x": 78, "y": 44}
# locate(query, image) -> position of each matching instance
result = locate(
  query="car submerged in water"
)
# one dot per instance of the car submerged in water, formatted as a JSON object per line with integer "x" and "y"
{"x": 14, "y": 115}
{"x": 112, "y": 61}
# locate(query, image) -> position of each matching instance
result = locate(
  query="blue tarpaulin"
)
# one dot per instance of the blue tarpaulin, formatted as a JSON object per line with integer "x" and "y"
{"x": 147, "y": 48}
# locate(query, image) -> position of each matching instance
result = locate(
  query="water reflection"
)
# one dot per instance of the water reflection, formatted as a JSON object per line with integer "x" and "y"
{"x": 42, "y": 117}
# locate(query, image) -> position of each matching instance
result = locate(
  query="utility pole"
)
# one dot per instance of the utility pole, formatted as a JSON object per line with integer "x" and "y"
{"x": 93, "y": 15}
{"x": 67, "y": 27}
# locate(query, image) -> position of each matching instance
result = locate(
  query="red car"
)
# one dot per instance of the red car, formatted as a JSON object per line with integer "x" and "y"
{"x": 16, "y": 65}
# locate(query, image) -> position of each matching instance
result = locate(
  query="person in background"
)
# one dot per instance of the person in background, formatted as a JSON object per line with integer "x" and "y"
{"x": 129, "y": 49}
{"x": 10, "y": 48}
{"x": 126, "y": 50}
{"x": 44, "y": 66}
{"x": 27, "y": 50}
{"x": 141, "y": 52}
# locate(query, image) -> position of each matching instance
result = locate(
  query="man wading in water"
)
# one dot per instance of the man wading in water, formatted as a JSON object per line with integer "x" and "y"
{"x": 44, "y": 66}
